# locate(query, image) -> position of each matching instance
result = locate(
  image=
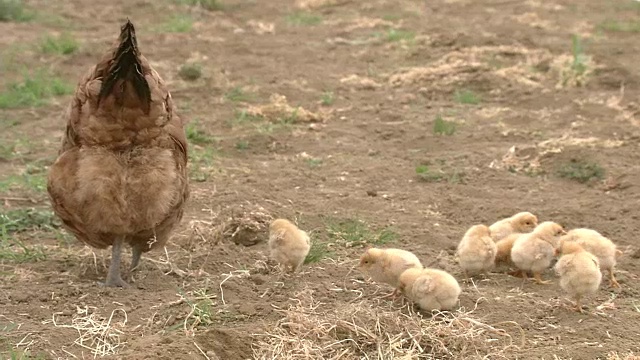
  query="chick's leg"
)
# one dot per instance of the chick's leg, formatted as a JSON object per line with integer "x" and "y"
{"x": 392, "y": 295}
{"x": 113, "y": 277}
{"x": 539, "y": 280}
{"x": 578, "y": 307}
{"x": 613, "y": 282}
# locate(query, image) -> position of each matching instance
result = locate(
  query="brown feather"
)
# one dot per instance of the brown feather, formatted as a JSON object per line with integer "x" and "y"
{"x": 126, "y": 70}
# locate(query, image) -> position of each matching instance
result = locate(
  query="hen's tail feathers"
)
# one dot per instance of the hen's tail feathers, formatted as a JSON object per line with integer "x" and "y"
{"x": 126, "y": 66}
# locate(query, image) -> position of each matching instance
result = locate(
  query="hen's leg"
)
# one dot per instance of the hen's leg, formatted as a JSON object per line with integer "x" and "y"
{"x": 136, "y": 251}
{"x": 113, "y": 277}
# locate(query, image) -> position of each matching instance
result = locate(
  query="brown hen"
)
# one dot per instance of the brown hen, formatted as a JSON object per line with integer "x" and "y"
{"x": 121, "y": 175}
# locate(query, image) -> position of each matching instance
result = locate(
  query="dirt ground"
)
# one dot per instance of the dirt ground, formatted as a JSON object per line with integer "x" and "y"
{"x": 382, "y": 122}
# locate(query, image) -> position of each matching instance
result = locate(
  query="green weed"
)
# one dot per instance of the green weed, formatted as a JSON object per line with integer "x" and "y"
{"x": 15, "y": 354}
{"x": 36, "y": 183}
{"x": 443, "y": 127}
{"x": 237, "y": 94}
{"x": 579, "y": 64}
{"x": 64, "y": 44}
{"x": 313, "y": 163}
{"x": 581, "y": 171}
{"x": 242, "y": 117}
{"x": 202, "y": 312}
{"x": 20, "y": 220}
{"x": 620, "y": 26}
{"x": 327, "y": 98}
{"x": 190, "y": 72}
{"x": 201, "y": 163}
{"x": 352, "y": 232}
{"x": 242, "y": 145}
{"x": 425, "y": 174}
{"x": 196, "y": 135}
{"x": 303, "y": 18}
{"x": 211, "y": 5}
{"x": 397, "y": 35}
{"x": 33, "y": 90}
{"x": 181, "y": 23}
{"x": 318, "y": 251}
{"x": 14, "y": 10}
{"x": 466, "y": 97}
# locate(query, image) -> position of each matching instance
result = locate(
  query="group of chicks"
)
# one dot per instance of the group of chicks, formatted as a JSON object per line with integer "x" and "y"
{"x": 518, "y": 241}
{"x": 521, "y": 242}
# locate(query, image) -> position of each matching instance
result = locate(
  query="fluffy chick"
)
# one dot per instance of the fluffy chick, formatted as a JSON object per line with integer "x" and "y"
{"x": 431, "y": 289}
{"x": 288, "y": 245}
{"x": 476, "y": 251}
{"x": 535, "y": 251}
{"x": 386, "y": 265}
{"x": 579, "y": 271}
{"x": 598, "y": 245}
{"x": 522, "y": 222}
{"x": 503, "y": 249}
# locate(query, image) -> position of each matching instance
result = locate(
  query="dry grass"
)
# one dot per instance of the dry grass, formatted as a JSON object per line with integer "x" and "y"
{"x": 279, "y": 110}
{"x": 246, "y": 224}
{"x": 616, "y": 356}
{"x": 99, "y": 334}
{"x": 362, "y": 330}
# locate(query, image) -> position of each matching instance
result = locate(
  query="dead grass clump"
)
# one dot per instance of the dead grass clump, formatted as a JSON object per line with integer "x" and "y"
{"x": 616, "y": 356}
{"x": 97, "y": 333}
{"x": 246, "y": 224}
{"x": 523, "y": 159}
{"x": 315, "y": 4}
{"x": 279, "y": 110}
{"x": 366, "y": 330}
{"x": 359, "y": 82}
{"x": 463, "y": 65}
{"x": 572, "y": 71}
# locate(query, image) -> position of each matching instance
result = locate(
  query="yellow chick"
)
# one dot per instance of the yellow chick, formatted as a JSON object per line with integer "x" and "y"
{"x": 431, "y": 289}
{"x": 476, "y": 251}
{"x": 579, "y": 271}
{"x": 598, "y": 245}
{"x": 522, "y": 222}
{"x": 503, "y": 253}
{"x": 288, "y": 245}
{"x": 535, "y": 251}
{"x": 503, "y": 249}
{"x": 386, "y": 265}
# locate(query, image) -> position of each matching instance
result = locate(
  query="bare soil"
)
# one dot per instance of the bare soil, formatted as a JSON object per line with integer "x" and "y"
{"x": 369, "y": 78}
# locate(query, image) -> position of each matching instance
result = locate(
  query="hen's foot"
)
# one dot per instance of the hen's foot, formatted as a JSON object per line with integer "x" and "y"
{"x": 117, "y": 282}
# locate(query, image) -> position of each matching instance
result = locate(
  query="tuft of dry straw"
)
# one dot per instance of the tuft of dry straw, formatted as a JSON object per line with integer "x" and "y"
{"x": 278, "y": 109}
{"x": 96, "y": 333}
{"x": 362, "y": 330}
{"x": 245, "y": 225}
{"x": 615, "y": 356}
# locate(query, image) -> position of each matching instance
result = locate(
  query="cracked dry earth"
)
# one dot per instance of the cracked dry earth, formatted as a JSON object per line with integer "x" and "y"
{"x": 324, "y": 112}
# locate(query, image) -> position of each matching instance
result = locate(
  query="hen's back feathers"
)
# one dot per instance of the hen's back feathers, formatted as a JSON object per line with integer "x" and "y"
{"x": 126, "y": 70}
